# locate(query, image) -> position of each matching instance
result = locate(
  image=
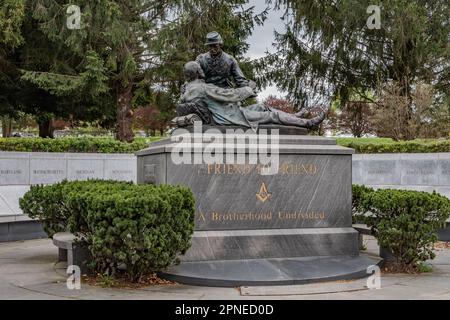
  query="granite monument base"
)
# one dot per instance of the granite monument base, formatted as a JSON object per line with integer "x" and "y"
{"x": 270, "y": 272}
{"x": 444, "y": 234}
{"x": 261, "y": 222}
{"x": 281, "y": 129}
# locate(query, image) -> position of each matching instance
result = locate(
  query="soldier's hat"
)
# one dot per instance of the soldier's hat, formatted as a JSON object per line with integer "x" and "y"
{"x": 213, "y": 38}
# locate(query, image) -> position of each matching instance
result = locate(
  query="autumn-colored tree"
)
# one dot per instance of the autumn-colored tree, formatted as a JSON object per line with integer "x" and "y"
{"x": 279, "y": 103}
{"x": 146, "y": 118}
{"x": 394, "y": 118}
{"x": 356, "y": 117}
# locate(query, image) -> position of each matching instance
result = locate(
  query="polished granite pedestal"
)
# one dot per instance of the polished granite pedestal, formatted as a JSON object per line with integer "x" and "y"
{"x": 255, "y": 226}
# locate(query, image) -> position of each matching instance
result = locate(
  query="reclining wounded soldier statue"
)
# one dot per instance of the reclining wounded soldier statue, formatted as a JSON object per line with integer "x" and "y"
{"x": 210, "y": 104}
{"x": 290, "y": 224}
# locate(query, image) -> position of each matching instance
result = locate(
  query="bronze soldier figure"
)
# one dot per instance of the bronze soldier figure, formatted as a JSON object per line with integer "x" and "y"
{"x": 224, "y": 105}
{"x": 220, "y": 68}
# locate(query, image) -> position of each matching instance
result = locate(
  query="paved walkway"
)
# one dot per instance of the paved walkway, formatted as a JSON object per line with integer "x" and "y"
{"x": 28, "y": 271}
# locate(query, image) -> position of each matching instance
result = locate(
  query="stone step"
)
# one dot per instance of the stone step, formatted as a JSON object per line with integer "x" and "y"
{"x": 271, "y": 243}
{"x": 241, "y": 138}
{"x": 262, "y": 128}
{"x": 20, "y": 227}
{"x": 246, "y": 148}
{"x": 283, "y": 139}
{"x": 266, "y": 272}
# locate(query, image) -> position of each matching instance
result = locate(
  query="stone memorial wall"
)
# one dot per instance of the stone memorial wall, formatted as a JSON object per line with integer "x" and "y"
{"x": 411, "y": 171}
{"x": 19, "y": 170}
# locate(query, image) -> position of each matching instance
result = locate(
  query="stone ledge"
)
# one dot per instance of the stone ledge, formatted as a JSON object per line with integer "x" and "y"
{"x": 266, "y": 272}
{"x": 14, "y": 218}
{"x": 272, "y": 243}
{"x": 18, "y": 229}
{"x": 283, "y": 139}
{"x": 245, "y": 148}
{"x": 444, "y": 234}
{"x": 282, "y": 129}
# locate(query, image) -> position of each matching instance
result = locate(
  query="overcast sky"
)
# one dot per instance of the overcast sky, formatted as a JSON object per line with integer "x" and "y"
{"x": 262, "y": 38}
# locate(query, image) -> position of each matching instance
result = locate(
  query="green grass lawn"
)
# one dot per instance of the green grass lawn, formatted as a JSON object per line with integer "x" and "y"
{"x": 149, "y": 139}
{"x": 343, "y": 141}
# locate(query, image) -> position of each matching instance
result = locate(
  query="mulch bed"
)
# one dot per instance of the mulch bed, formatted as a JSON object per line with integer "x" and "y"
{"x": 442, "y": 245}
{"x": 395, "y": 268}
{"x": 123, "y": 282}
{"x": 392, "y": 268}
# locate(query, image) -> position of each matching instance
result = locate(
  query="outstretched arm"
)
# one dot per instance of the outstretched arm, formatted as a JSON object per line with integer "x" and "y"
{"x": 228, "y": 95}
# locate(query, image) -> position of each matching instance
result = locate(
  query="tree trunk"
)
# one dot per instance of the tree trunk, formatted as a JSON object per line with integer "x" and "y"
{"x": 124, "y": 115}
{"x": 6, "y": 127}
{"x": 46, "y": 128}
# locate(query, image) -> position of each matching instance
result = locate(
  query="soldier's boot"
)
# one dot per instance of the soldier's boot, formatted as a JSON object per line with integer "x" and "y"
{"x": 316, "y": 121}
{"x": 301, "y": 113}
{"x": 293, "y": 120}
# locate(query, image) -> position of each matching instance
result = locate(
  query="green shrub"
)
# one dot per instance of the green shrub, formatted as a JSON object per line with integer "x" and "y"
{"x": 142, "y": 227}
{"x": 358, "y": 192}
{"x": 406, "y": 222}
{"x": 76, "y": 196}
{"x": 73, "y": 144}
{"x": 57, "y": 211}
{"x": 381, "y": 145}
{"x": 45, "y": 203}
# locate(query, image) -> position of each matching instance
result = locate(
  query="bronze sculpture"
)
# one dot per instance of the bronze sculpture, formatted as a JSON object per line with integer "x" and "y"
{"x": 219, "y": 67}
{"x": 221, "y": 106}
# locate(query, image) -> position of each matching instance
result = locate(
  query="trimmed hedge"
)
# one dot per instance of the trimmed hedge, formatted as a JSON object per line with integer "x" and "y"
{"x": 380, "y": 145}
{"x": 405, "y": 222}
{"x": 73, "y": 144}
{"x": 109, "y": 145}
{"x": 144, "y": 227}
{"x": 60, "y": 206}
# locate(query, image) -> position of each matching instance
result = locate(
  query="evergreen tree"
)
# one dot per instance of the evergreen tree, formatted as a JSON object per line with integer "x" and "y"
{"x": 11, "y": 18}
{"x": 42, "y": 76}
{"x": 328, "y": 50}
{"x": 110, "y": 47}
{"x": 122, "y": 54}
{"x": 183, "y": 39}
